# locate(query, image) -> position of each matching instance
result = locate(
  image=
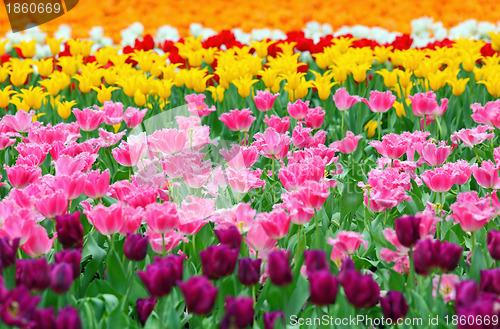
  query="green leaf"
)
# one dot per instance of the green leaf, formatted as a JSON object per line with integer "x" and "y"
{"x": 115, "y": 274}
{"x": 299, "y": 296}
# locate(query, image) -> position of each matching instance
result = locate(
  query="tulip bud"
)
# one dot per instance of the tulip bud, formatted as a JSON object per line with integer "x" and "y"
{"x": 323, "y": 287}
{"x": 449, "y": 256}
{"x": 8, "y": 251}
{"x": 72, "y": 257}
{"x": 407, "y": 230}
{"x": 69, "y": 230}
{"x": 144, "y": 308}
{"x": 62, "y": 276}
{"x": 347, "y": 266}
{"x": 68, "y": 319}
{"x": 466, "y": 292}
{"x": 493, "y": 241}
{"x": 490, "y": 281}
{"x": 135, "y": 247}
{"x": 315, "y": 260}
{"x": 218, "y": 261}
{"x": 230, "y": 237}
{"x": 361, "y": 290}
{"x": 44, "y": 318}
{"x": 279, "y": 268}
{"x": 162, "y": 275}
{"x": 34, "y": 274}
{"x": 271, "y": 318}
{"x": 394, "y": 305}
{"x": 424, "y": 255}
{"x": 249, "y": 271}
{"x": 239, "y": 313}
{"x": 200, "y": 294}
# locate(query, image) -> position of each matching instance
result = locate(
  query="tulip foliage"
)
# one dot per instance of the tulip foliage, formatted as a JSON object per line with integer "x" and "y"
{"x": 247, "y": 187}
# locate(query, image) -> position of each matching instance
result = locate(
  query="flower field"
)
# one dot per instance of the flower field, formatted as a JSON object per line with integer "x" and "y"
{"x": 264, "y": 173}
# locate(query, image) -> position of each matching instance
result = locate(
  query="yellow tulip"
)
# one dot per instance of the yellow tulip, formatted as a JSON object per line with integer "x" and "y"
{"x": 19, "y": 103}
{"x": 139, "y": 98}
{"x": 28, "y": 49}
{"x": 116, "y": 127}
{"x": 165, "y": 89}
{"x": 404, "y": 77}
{"x": 244, "y": 85}
{"x": 323, "y": 84}
{"x": 390, "y": 77}
{"x": 64, "y": 108}
{"x": 371, "y": 126}
{"x": 54, "y": 45}
{"x": 458, "y": 86}
{"x": 33, "y": 97}
{"x": 4, "y": 73}
{"x": 84, "y": 83}
{"x": 5, "y": 96}
{"x": 359, "y": 72}
{"x": 104, "y": 93}
{"x": 3, "y": 43}
{"x": 381, "y": 54}
{"x": 19, "y": 74}
{"x": 261, "y": 47}
{"x": 69, "y": 64}
{"x": 217, "y": 93}
{"x": 195, "y": 58}
{"x": 400, "y": 109}
{"x": 493, "y": 85}
{"x": 45, "y": 67}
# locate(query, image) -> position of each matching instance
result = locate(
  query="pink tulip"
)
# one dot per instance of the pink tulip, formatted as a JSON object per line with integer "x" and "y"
{"x": 38, "y": 152}
{"x": 133, "y": 116}
{"x": 107, "y": 220}
{"x": 257, "y": 239}
{"x": 486, "y": 175}
{"x": 462, "y": 171}
{"x": 264, "y": 100}
{"x": 383, "y": 198}
{"x": 141, "y": 196}
{"x": 434, "y": 156}
{"x": 489, "y": 114}
{"x": 62, "y": 132}
{"x": 19, "y": 224}
{"x": 271, "y": 144}
{"x": 439, "y": 180}
{"x": 172, "y": 239}
{"x": 343, "y": 101}
{"x": 69, "y": 165}
{"x": 38, "y": 243}
{"x": 240, "y": 157}
{"x": 312, "y": 194}
{"x": 348, "y": 242}
{"x": 398, "y": 257}
{"x": 392, "y": 146}
{"x": 97, "y": 184}
{"x": 315, "y": 117}
{"x": 296, "y": 174}
{"x": 244, "y": 180}
{"x": 113, "y": 113}
{"x": 88, "y": 119}
{"x": 6, "y": 142}
{"x": 298, "y": 110}
{"x": 109, "y": 139}
{"x": 195, "y": 175}
{"x": 169, "y": 141}
{"x": 196, "y": 105}
{"x": 301, "y": 137}
{"x": 188, "y": 123}
{"x": 193, "y": 214}
{"x": 162, "y": 217}
{"x": 133, "y": 218}
{"x": 276, "y": 223}
{"x": 347, "y": 145}
{"x": 238, "y": 120}
{"x": 380, "y": 101}
{"x": 72, "y": 186}
{"x": 52, "y": 204}
{"x": 21, "y": 122}
{"x": 280, "y": 125}
{"x": 447, "y": 286}
{"x": 471, "y": 211}
{"x": 425, "y": 104}
{"x": 20, "y": 176}
{"x": 129, "y": 154}
{"x": 474, "y": 136}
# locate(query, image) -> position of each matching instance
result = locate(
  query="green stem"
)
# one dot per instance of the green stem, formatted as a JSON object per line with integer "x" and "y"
{"x": 472, "y": 243}
{"x": 411, "y": 275}
{"x": 164, "y": 250}
{"x": 342, "y": 127}
{"x": 439, "y": 126}
{"x": 379, "y": 124}
{"x": 317, "y": 229}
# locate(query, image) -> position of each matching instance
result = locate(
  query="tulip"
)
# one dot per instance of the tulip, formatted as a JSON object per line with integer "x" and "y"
{"x": 89, "y": 119}
{"x": 230, "y": 237}
{"x": 281, "y": 125}
{"x": 135, "y": 247}
{"x": 348, "y": 242}
{"x": 271, "y": 144}
{"x": 62, "y": 275}
{"x": 315, "y": 260}
{"x": 483, "y": 308}
{"x": 490, "y": 281}
{"x": 71, "y": 257}
{"x": 240, "y": 157}
{"x": 298, "y": 110}
{"x": 162, "y": 217}
{"x": 239, "y": 313}
{"x": 407, "y": 230}
{"x": 200, "y": 295}
{"x": 474, "y": 136}
{"x": 276, "y": 224}
{"x": 34, "y": 274}
{"x": 69, "y": 230}
{"x": 315, "y": 117}
{"x": 471, "y": 212}
{"x": 347, "y": 145}
{"x": 493, "y": 241}
{"x": 487, "y": 175}
{"x": 218, "y": 261}
{"x": 113, "y": 111}
{"x": 96, "y": 185}
{"x": 279, "y": 268}
{"x": 271, "y": 318}
{"x": 439, "y": 180}
{"x": 161, "y": 275}
{"x": 345, "y": 270}
{"x": 361, "y": 290}
{"x": 434, "y": 156}
{"x": 257, "y": 239}
{"x": 107, "y": 220}
{"x": 23, "y": 304}
{"x": 8, "y": 251}
{"x": 20, "y": 176}
{"x": 394, "y": 305}
{"x": 20, "y": 122}
{"x": 237, "y": 120}
{"x": 449, "y": 256}
{"x": 68, "y": 318}
{"x": 44, "y": 318}
{"x": 424, "y": 255}
{"x": 197, "y": 106}
{"x": 144, "y": 308}
{"x": 323, "y": 288}
{"x": 168, "y": 141}
{"x": 264, "y": 100}
{"x": 52, "y": 204}
{"x": 392, "y": 146}
{"x": 133, "y": 117}
{"x": 343, "y": 101}
{"x": 249, "y": 271}
{"x": 38, "y": 243}
{"x": 466, "y": 293}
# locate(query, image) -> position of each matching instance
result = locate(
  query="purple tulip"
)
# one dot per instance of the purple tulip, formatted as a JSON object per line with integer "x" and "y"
{"x": 218, "y": 261}
{"x": 72, "y": 257}
{"x": 271, "y": 318}
{"x": 200, "y": 294}
{"x": 481, "y": 309}
{"x": 424, "y": 255}
{"x": 62, "y": 278}
{"x": 449, "y": 256}
{"x": 361, "y": 290}
{"x": 466, "y": 292}
{"x": 135, "y": 247}
{"x": 144, "y": 307}
{"x": 279, "y": 268}
{"x": 68, "y": 318}
{"x": 162, "y": 275}
{"x": 490, "y": 281}
{"x": 230, "y": 237}
{"x": 315, "y": 260}
{"x": 34, "y": 274}
{"x": 18, "y": 308}
{"x": 407, "y": 230}
{"x": 493, "y": 241}
{"x": 323, "y": 288}
{"x": 394, "y": 305}
{"x": 347, "y": 266}
{"x": 249, "y": 271}
{"x": 8, "y": 251}
{"x": 44, "y": 318}
{"x": 69, "y": 230}
{"x": 239, "y": 313}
